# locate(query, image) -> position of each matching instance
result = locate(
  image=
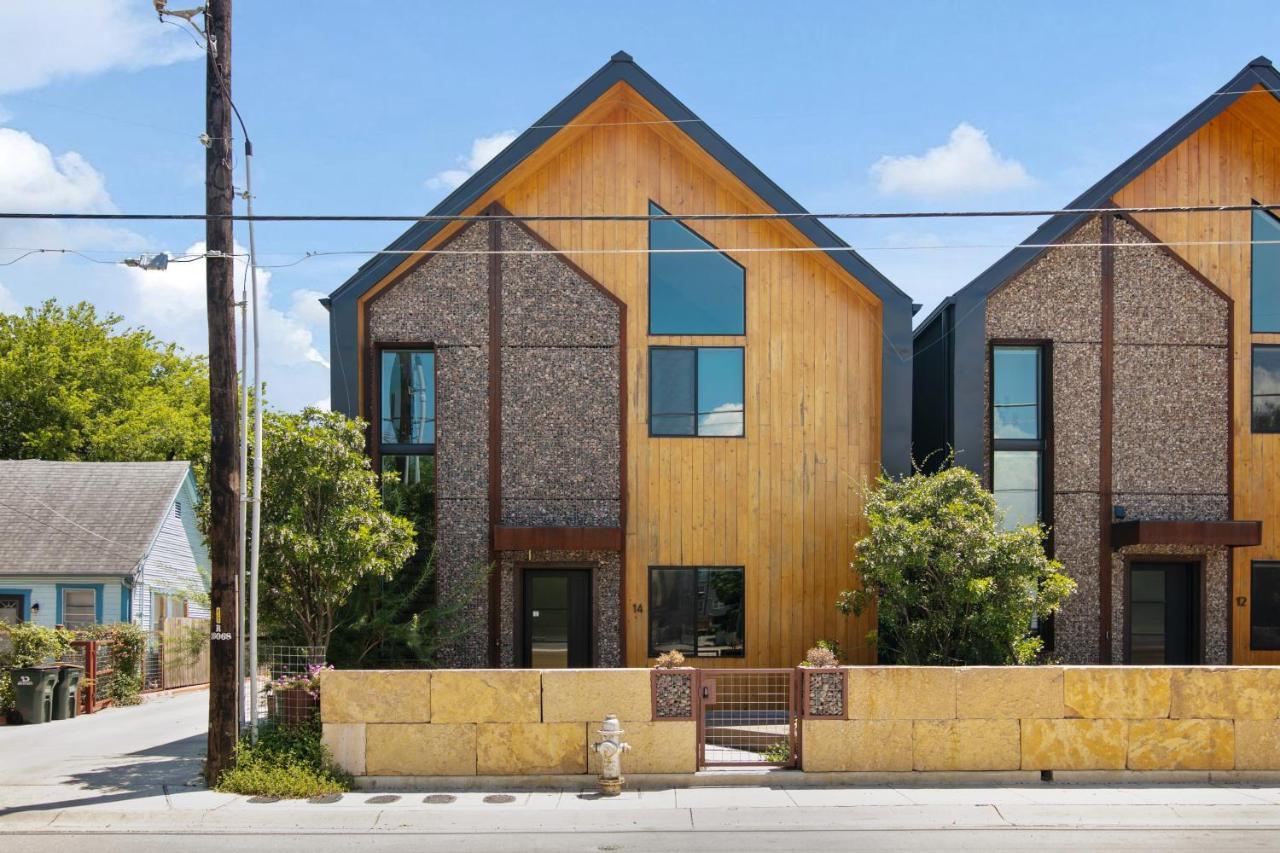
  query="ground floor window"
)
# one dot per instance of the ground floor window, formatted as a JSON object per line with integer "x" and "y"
{"x": 697, "y": 610}
{"x": 79, "y": 608}
{"x": 1264, "y": 621}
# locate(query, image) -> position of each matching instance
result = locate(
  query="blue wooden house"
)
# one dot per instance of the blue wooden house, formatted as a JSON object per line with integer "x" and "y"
{"x": 84, "y": 543}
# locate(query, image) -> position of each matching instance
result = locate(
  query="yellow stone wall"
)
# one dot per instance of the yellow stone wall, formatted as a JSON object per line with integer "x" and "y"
{"x": 495, "y": 722}
{"x": 899, "y": 719}
{"x": 1052, "y": 718}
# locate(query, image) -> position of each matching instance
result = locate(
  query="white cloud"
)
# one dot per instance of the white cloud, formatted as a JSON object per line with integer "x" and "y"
{"x": 323, "y": 405}
{"x": 41, "y": 41}
{"x": 306, "y": 307}
{"x": 965, "y": 164}
{"x": 172, "y": 304}
{"x": 725, "y": 419}
{"x": 32, "y": 179}
{"x": 8, "y": 305}
{"x": 483, "y": 149}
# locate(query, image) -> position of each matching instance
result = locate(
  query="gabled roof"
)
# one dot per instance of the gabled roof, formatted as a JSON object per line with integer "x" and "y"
{"x": 82, "y": 518}
{"x": 1259, "y": 72}
{"x": 620, "y": 68}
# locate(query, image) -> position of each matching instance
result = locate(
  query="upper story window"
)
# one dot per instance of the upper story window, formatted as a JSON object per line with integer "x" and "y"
{"x": 1266, "y": 388}
{"x": 407, "y": 409}
{"x": 696, "y": 391}
{"x": 693, "y": 292}
{"x": 1018, "y": 433}
{"x": 1266, "y": 272}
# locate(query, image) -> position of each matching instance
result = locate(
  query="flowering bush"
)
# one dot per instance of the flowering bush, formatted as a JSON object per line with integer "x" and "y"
{"x": 308, "y": 681}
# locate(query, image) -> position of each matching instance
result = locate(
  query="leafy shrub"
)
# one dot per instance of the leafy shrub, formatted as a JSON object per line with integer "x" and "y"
{"x": 778, "y": 752}
{"x": 127, "y": 645}
{"x": 820, "y": 656}
{"x": 286, "y": 761}
{"x": 28, "y": 644}
{"x": 670, "y": 660}
{"x": 949, "y": 585}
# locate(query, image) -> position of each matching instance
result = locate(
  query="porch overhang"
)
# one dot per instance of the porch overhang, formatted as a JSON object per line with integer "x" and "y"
{"x": 1186, "y": 532}
{"x": 557, "y": 538}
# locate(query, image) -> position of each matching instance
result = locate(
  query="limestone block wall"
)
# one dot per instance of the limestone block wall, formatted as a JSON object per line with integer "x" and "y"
{"x": 494, "y": 722}
{"x": 903, "y": 719}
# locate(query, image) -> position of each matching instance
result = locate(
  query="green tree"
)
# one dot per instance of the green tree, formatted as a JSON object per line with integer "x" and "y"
{"x": 78, "y": 387}
{"x": 950, "y": 586}
{"x": 324, "y": 528}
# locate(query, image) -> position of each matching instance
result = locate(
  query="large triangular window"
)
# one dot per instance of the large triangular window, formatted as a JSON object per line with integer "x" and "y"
{"x": 693, "y": 289}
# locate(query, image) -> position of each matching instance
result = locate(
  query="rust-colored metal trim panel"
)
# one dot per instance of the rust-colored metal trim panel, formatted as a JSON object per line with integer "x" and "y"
{"x": 1231, "y": 533}
{"x": 557, "y": 538}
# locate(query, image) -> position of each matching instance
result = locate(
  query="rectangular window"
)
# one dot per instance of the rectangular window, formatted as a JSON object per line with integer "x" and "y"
{"x": 696, "y": 391}
{"x": 1265, "y": 276}
{"x": 409, "y": 491}
{"x": 1018, "y": 433}
{"x": 693, "y": 290}
{"x": 79, "y": 608}
{"x": 696, "y": 610}
{"x": 1264, "y": 621}
{"x": 408, "y": 404}
{"x": 1266, "y": 388}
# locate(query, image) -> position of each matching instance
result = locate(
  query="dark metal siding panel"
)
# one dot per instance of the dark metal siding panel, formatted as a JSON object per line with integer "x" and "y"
{"x": 931, "y": 391}
{"x": 969, "y": 336}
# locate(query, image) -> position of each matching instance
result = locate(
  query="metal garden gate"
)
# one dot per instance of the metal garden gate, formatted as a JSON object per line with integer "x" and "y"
{"x": 748, "y": 717}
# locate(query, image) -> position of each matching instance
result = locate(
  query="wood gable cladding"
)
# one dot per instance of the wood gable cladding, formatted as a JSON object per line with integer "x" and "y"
{"x": 1233, "y": 159}
{"x": 784, "y": 501}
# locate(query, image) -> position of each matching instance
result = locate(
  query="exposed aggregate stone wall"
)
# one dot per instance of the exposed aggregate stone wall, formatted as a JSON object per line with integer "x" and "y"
{"x": 444, "y": 301}
{"x": 1170, "y": 422}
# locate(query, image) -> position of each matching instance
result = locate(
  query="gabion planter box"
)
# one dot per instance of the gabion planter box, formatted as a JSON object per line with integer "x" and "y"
{"x": 825, "y": 692}
{"x": 673, "y": 693}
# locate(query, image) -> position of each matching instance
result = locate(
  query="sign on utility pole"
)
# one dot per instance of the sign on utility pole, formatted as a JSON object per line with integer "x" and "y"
{"x": 224, "y": 472}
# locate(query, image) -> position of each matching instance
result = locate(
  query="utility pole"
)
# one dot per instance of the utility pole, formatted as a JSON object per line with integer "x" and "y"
{"x": 225, "y": 536}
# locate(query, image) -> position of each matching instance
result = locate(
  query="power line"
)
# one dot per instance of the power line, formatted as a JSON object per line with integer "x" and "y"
{"x": 638, "y": 217}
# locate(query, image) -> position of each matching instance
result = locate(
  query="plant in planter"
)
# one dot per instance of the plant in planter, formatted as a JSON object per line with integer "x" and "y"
{"x": 293, "y": 700}
{"x": 825, "y": 686}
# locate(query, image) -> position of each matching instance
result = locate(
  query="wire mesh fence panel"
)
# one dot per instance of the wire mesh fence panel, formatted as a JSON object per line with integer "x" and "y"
{"x": 153, "y": 662}
{"x": 287, "y": 677}
{"x": 748, "y": 717}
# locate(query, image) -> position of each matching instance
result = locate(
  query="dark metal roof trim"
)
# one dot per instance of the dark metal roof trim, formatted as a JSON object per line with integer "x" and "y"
{"x": 620, "y": 68}
{"x": 1258, "y": 72}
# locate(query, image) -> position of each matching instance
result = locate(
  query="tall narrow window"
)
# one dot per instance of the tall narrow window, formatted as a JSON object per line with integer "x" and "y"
{"x": 692, "y": 291}
{"x": 407, "y": 414}
{"x": 1266, "y": 388}
{"x": 1266, "y": 272}
{"x": 1264, "y": 621}
{"x": 696, "y": 610}
{"x": 1018, "y": 433}
{"x": 696, "y": 391}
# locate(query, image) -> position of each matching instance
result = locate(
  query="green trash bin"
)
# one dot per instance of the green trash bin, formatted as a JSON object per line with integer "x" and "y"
{"x": 66, "y": 692}
{"x": 33, "y": 690}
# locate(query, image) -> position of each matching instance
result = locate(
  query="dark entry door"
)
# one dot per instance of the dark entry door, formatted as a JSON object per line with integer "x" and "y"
{"x": 557, "y": 618}
{"x": 1164, "y": 608}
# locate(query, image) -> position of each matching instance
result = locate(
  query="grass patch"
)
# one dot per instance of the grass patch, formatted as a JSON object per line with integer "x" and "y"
{"x": 286, "y": 761}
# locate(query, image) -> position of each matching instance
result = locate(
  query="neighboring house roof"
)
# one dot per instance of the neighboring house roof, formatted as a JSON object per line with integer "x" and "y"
{"x": 1259, "y": 72}
{"x": 620, "y": 68}
{"x": 83, "y": 518}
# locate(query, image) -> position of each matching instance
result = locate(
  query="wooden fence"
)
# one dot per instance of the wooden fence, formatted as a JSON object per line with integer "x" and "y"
{"x": 183, "y": 652}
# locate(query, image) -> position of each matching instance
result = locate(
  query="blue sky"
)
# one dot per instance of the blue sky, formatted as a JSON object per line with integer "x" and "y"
{"x": 377, "y": 108}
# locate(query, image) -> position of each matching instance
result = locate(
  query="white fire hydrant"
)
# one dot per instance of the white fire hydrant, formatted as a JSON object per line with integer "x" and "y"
{"x": 610, "y": 749}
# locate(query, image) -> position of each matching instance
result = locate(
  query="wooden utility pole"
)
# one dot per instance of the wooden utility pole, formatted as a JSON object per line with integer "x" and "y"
{"x": 224, "y": 472}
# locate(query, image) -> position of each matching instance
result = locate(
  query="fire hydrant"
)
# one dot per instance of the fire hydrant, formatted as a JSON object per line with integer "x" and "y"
{"x": 610, "y": 749}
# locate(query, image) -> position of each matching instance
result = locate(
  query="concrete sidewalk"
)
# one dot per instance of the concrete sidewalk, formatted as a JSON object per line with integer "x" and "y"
{"x": 778, "y": 818}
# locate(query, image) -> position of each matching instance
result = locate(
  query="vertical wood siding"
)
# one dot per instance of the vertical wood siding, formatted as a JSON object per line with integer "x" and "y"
{"x": 785, "y": 500}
